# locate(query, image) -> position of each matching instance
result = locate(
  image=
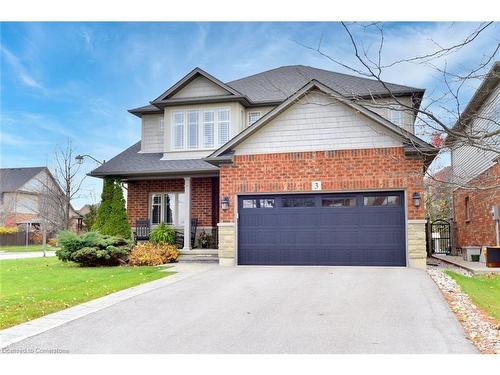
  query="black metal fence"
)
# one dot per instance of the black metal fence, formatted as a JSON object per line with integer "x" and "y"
{"x": 439, "y": 237}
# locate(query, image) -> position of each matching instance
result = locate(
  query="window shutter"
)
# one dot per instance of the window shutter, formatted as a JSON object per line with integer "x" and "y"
{"x": 193, "y": 129}
{"x": 223, "y": 126}
{"x": 208, "y": 129}
{"x": 178, "y": 130}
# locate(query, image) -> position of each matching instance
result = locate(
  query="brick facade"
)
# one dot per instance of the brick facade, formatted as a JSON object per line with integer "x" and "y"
{"x": 203, "y": 203}
{"x": 479, "y": 230}
{"x": 343, "y": 170}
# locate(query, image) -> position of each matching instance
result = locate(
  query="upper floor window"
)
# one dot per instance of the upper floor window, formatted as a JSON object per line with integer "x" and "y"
{"x": 396, "y": 116}
{"x": 178, "y": 130}
{"x": 208, "y": 129}
{"x": 193, "y": 129}
{"x": 252, "y": 117}
{"x": 223, "y": 126}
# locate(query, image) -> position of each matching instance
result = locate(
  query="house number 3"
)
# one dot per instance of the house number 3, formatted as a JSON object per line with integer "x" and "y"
{"x": 316, "y": 185}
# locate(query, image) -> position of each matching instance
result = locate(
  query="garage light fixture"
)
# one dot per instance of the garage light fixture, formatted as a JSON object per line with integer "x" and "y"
{"x": 416, "y": 199}
{"x": 225, "y": 203}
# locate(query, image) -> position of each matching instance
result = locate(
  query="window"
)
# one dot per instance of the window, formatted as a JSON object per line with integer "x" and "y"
{"x": 162, "y": 123}
{"x": 252, "y": 117}
{"x": 396, "y": 116}
{"x": 390, "y": 200}
{"x": 192, "y": 129}
{"x": 178, "y": 130}
{"x": 467, "y": 209}
{"x": 298, "y": 202}
{"x": 258, "y": 203}
{"x": 167, "y": 208}
{"x": 208, "y": 129}
{"x": 338, "y": 202}
{"x": 223, "y": 126}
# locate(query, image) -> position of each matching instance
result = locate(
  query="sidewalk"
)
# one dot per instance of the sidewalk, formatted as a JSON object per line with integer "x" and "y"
{"x": 21, "y": 255}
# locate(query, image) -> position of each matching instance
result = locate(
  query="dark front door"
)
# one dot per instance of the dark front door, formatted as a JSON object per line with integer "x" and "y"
{"x": 351, "y": 229}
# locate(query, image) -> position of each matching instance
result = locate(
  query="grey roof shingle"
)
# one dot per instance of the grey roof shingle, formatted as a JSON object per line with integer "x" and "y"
{"x": 12, "y": 179}
{"x": 133, "y": 163}
{"x": 278, "y": 84}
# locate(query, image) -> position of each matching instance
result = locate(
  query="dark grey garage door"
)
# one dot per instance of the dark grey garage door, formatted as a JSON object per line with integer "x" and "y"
{"x": 357, "y": 229}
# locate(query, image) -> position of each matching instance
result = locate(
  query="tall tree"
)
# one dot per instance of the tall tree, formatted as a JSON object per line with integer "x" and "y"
{"x": 118, "y": 222}
{"x": 104, "y": 211}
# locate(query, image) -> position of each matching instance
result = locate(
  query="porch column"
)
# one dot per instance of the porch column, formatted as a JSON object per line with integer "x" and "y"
{"x": 187, "y": 218}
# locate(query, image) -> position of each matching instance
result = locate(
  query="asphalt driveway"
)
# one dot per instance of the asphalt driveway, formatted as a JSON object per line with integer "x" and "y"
{"x": 272, "y": 310}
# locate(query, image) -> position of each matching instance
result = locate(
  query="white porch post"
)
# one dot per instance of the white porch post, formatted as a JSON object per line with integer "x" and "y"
{"x": 187, "y": 217}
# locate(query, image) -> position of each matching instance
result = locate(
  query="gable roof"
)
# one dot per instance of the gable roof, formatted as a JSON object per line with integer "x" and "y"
{"x": 183, "y": 82}
{"x": 12, "y": 179}
{"x": 413, "y": 142}
{"x": 487, "y": 87}
{"x": 274, "y": 86}
{"x": 132, "y": 162}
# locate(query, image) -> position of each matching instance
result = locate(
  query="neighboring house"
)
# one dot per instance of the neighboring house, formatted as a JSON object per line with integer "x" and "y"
{"x": 22, "y": 192}
{"x": 438, "y": 194}
{"x": 476, "y": 168}
{"x": 287, "y": 164}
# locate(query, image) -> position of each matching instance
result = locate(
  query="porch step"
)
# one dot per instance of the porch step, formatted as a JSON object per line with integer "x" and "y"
{"x": 198, "y": 258}
{"x": 199, "y": 252}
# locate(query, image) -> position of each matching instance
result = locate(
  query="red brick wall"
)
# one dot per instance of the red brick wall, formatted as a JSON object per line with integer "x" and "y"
{"x": 201, "y": 197}
{"x": 480, "y": 229}
{"x": 343, "y": 170}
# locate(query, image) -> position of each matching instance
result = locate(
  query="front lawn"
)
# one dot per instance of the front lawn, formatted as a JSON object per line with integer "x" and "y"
{"x": 30, "y": 288}
{"x": 483, "y": 290}
{"x": 25, "y": 248}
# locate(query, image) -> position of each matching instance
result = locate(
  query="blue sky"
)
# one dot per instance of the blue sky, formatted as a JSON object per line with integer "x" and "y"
{"x": 77, "y": 80}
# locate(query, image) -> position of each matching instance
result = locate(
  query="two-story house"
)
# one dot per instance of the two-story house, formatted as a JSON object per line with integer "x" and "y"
{"x": 288, "y": 166}
{"x": 475, "y": 165}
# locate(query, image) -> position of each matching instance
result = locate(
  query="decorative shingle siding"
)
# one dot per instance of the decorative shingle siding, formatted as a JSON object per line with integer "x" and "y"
{"x": 341, "y": 170}
{"x": 201, "y": 198}
{"x": 480, "y": 229}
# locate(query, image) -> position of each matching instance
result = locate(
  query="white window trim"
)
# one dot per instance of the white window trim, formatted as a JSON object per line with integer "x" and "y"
{"x": 201, "y": 123}
{"x": 400, "y": 113}
{"x": 253, "y": 113}
{"x": 176, "y": 223}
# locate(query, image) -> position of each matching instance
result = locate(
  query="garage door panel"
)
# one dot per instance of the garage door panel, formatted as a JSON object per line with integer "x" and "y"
{"x": 327, "y": 229}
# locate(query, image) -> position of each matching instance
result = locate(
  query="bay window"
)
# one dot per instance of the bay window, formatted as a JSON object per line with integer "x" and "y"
{"x": 168, "y": 208}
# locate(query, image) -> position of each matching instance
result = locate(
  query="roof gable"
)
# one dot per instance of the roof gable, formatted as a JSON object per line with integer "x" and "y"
{"x": 13, "y": 179}
{"x": 178, "y": 90}
{"x": 410, "y": 138}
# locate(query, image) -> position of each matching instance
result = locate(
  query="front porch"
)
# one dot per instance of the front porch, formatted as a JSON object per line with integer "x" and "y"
{"x": 176, "y": 202}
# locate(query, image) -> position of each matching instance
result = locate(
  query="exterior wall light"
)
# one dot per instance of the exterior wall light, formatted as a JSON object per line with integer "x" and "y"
{"x": 416, "y": 199}
{"x": 225, "y": 203}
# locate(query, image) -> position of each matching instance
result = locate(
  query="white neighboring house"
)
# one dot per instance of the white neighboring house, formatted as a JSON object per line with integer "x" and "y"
{"x": 32, "y": 195}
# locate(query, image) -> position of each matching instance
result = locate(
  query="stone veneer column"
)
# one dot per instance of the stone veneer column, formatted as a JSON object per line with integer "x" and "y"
{"x": 227, "y": 244}
{"x": 417, "y": 253}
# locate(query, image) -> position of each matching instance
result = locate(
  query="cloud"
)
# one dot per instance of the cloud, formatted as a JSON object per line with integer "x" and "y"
{"x": 20, "y": 70}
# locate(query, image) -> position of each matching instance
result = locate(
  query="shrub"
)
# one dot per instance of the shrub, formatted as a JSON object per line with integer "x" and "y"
{"x": 8, "y": 230}
{"x": 163, "y": 234}
{"x": 150, "y": 254}
{"x": 93, "y": 249}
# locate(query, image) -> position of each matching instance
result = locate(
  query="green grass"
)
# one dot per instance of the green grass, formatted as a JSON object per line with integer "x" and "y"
{"x": 483, "y": 290}
{"x": 30, "y": 288}
{"x": 24, "y": 248}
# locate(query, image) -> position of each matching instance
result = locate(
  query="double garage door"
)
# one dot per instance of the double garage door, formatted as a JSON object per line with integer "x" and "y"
{"x": 351, "y": 229}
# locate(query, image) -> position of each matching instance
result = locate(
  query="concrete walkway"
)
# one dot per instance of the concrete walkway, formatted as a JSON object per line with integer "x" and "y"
{"x": 270, "y": 310}
{"x": 477, "y": 268}
{"x": 24, "y": 254}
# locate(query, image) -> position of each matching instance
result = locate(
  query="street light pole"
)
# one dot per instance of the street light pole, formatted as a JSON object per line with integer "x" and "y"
{"x": 79, "y": 159}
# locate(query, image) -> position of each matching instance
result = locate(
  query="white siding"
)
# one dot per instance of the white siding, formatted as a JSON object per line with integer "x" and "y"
{"x": 318, "y": 122}
{"x": 200, "y": 87}
{"x": 381, "y": 106}
{"x": 152, "y": 135}
{"x": 467, "y": 161}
